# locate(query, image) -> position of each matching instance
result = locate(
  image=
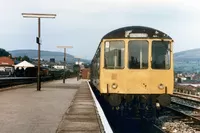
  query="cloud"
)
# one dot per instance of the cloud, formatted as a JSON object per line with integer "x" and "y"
{"x": 82, "y": 23}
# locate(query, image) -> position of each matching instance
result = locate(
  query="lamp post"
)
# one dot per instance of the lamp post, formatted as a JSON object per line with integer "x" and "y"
{"x": 38, "y": 40}
{"x": 78, "y": 57}
{"x": 79, "y": 70}
{"x": 64, "y": 75}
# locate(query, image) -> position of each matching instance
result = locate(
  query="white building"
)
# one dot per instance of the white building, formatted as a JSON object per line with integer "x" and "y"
{"x": 78, "y": 63}
{"x": 24, "y": 65}
{"x": 58, "y": 66}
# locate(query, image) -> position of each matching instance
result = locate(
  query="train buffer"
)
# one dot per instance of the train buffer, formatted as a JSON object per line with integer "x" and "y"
{"x": 57, "y": 108}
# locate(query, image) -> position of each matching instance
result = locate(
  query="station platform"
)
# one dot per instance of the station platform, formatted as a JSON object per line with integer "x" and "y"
{"x": 57, "y": 108}
{"x": 82, "y": 116}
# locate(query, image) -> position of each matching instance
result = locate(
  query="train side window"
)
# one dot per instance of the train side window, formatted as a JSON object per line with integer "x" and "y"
{"x": 138, "y": 54}
{"x": 161, "y": 55}
{"x": 114, "y": 54}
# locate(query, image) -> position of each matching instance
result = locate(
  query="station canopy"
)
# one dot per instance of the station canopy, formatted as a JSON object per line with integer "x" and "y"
{"x": 24, "y": 65}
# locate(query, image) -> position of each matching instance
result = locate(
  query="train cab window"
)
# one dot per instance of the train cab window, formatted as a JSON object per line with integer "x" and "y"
{"x": 138, "y": 54}
{"x": 161, "y": 55}
{"x": 114, "y": 55}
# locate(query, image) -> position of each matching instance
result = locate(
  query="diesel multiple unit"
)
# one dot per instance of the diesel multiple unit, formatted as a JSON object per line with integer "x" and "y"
{"x": 133, "y": 68}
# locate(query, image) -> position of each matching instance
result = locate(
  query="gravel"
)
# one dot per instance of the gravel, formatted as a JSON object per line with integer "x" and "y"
{"x": 175, "y": 126}
{"x": 171, "y": 123}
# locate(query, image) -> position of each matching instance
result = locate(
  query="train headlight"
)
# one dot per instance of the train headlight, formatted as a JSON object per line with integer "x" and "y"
{"x": 114, "y": 86}
{"x": 161, "y": 86}
{"x": 157, "y": 105}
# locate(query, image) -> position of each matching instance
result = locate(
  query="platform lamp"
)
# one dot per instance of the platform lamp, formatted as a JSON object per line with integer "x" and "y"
{"x": 38, "y": 39}
{"x": 78, "y": 57}
{"x": 64, "y": 75}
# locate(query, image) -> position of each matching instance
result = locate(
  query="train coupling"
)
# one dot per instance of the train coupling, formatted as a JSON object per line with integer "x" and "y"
{"x": 164, "y": 100}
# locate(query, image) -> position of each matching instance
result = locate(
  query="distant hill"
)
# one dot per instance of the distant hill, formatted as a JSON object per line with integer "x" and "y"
{"x": 193, "y": 54}
{"x": 46, "y": 55}
{"x": 187, "y": 61}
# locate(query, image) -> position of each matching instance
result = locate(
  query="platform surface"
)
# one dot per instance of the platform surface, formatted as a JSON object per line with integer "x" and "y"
{"x": 82, "y": 116}
{"x": 26, "y": 110}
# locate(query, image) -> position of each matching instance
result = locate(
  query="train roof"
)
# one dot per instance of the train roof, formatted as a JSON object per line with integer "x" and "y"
{"x": 136, "y": 32}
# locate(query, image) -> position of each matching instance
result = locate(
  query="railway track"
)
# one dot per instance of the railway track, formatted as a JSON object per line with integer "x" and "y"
{"x": 157, "y": 129}
{"x": 120, "y": 124}
{"x": 186, "y": 96}
{"x": 188, "y": 106}
{"x": 12, "y": 81}
{"x": 186, "y": 111}
{"x": 182, "y": 115}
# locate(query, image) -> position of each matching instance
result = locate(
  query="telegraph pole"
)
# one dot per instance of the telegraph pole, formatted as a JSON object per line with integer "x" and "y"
{"x": 38, "y": 39}
{"x": 64, "y": 74}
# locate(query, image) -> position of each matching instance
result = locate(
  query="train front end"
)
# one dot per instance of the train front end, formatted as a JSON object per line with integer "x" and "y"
{"x": 136, "y": 65}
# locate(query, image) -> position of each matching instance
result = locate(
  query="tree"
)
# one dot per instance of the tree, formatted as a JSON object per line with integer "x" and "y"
{"x": 76, "y": 68}
{"x": 86, "y": 65}
{"x": 3, "y": 52}
{"x": 198, "y": 89}
{"x": 19, "y": 58}
{"x": 26, "y": 58}
{"x": 179, "y": 80}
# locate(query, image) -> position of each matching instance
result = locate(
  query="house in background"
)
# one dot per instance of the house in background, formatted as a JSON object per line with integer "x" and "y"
{"x": 52, "y": 60}
{"x": 6, "y": 67}
{"x": 60, "y": 67}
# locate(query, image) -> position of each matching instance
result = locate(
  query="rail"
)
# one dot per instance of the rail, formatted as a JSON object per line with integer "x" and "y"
{"x": 12, "y": 81}
{"x": 157, "y": 129}
{"x": 186, "y": 96}
{"x": 180, "y": 108}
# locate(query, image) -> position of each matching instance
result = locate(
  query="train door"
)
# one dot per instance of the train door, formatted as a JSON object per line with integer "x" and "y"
{"x": 161, "y": 66}
{"x": 138, "y": 72}
{"x": 112, "y": 72}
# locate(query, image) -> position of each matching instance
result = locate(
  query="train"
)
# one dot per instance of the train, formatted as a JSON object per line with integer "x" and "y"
{"x": 133, "y": 70}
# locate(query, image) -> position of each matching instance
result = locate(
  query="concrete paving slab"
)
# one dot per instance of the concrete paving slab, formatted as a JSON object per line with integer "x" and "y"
{"x": 71, "y": 125}
{"x": 63, "y": 131}
{"x": 81, "y": 117}
{"x": 82, "y": 106}
{"x": 84, "y": 111}
{"x": 83, "y": 103}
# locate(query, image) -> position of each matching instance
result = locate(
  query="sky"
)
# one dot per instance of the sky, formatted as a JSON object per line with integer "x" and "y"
{"x": 82, "y": 23}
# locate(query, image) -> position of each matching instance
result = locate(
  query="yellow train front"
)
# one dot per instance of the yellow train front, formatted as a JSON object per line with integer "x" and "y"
{"x": 133, "y": 68}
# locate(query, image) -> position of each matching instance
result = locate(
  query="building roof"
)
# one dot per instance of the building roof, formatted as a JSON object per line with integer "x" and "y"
{"x": 6, "y": 61}
{"x": 24, "y": 64}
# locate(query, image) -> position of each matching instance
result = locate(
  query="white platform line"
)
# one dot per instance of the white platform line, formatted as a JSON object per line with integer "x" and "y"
{"x": 103, "y": 118}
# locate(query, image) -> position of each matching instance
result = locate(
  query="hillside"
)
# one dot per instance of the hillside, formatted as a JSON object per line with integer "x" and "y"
{"x": 187, "y": 61}
{"x": 193, "y": 54}
{"x": 46, "y": 55}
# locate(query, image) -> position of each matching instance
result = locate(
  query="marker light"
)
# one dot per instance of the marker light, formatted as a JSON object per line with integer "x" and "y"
{"x": 114, "y": 86}
{"x": 161, "y": 86}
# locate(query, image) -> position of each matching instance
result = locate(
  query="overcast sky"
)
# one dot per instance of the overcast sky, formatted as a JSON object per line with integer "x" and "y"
{"x": 82, "y": 23}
